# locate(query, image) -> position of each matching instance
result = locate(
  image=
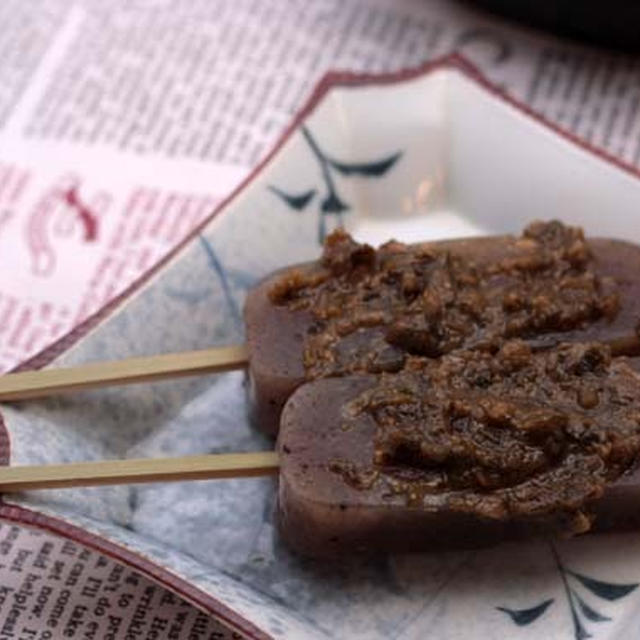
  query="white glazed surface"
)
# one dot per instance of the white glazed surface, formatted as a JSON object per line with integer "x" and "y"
{"x": 468, "y": 163}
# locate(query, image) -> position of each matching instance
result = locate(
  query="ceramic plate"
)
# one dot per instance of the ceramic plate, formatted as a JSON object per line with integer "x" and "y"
{"x": 434, "y": 152}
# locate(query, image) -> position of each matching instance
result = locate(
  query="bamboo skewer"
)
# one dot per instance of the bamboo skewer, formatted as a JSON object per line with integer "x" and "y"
{"x": 33, "y": 384}
{"x": 144, "y": 470}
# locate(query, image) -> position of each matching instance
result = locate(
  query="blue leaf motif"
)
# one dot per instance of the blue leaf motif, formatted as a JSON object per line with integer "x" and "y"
{"x": 579, "y": 631}
{"x": 523, "y": 617}
{"x": 333, "y": 204}
{"x": 220, "y": 271}
{"x": 296, "y": 201}
{"x": 606, "y": 590}
{"x": 375, "y": 168}
{"x": 589, "y": 613}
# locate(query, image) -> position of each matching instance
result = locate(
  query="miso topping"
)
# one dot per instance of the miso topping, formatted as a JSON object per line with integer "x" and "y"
{"x": 508, "y": 434}
{"x": 371, "y": 309}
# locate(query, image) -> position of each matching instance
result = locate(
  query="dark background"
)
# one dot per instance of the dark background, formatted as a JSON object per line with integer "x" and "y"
{"x": 609, "y": 23}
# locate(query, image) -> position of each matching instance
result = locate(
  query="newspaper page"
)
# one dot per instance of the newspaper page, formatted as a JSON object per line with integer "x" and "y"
{"x": 123, "y": 124}
{"x": 53, "y": 588}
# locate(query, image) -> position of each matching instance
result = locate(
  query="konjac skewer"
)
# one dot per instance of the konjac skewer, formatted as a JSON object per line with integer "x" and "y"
{"x": 469, "y": 391}
{"x": 360, "y": 311}
{"x": 468, "y": 450}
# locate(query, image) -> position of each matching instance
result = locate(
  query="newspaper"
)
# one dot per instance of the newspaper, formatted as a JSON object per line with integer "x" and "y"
{"x": 53, "y": 588}
{"x": 123, "y": 124}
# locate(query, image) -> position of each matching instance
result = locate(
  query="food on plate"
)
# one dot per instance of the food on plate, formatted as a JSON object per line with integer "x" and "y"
{"x": 363, "y": 311}
{"x": 465, "y": 450}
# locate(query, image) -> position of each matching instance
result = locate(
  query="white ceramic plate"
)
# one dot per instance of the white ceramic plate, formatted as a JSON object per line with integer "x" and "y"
{"x": 429, "y": 153}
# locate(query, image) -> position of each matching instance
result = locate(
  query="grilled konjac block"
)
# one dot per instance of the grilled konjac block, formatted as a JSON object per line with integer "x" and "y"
{"x": 362, "y": 311}
{"x": 464, "y": 451}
